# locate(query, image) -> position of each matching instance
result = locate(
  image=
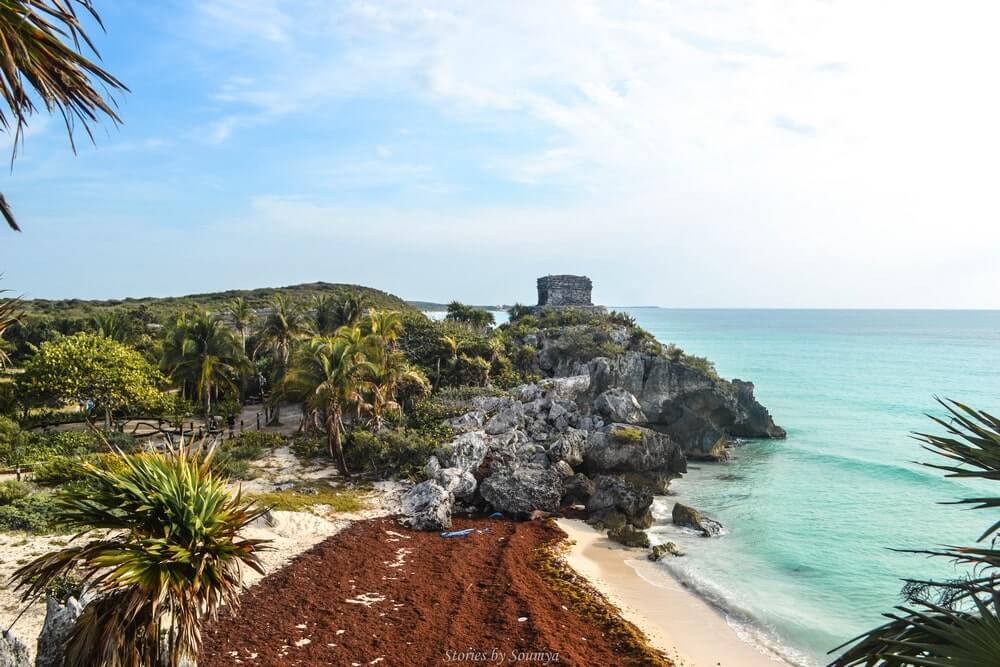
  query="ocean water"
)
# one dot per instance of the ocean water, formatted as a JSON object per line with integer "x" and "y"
{"x": 805, "y": 562}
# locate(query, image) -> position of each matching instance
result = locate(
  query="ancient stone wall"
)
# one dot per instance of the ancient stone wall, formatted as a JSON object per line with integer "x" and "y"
{"x": 564, "y": 291}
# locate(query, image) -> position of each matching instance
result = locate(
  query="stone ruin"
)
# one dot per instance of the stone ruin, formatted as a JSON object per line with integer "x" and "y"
{"x": 564, "y": 290}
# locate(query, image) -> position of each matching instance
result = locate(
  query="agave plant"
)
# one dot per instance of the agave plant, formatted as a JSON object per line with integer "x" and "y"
{"x": 958, "y": 623}
{"x": 171, "y": 557}
{"x": 40, "y": 47}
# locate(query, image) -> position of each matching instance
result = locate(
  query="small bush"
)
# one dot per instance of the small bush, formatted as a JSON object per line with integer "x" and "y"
{"x": 12, "y": 491}
{"x": 33, "y": 514}
{"x": 307, "y": 447}
{"x": 396, "y": 453}
{"x": 59, "y": 470}
{"x": 304, "y": 497}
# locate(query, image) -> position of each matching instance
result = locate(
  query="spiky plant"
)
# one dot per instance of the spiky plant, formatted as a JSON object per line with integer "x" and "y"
{"x": 171, "y": 557}
{"x": 952, "y": 623}
{"x": 10, "y": 313}
{"x": 41, "y": 59}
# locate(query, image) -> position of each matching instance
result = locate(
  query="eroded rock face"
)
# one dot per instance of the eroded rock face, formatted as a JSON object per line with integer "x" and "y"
{"x": 615, "y": 502}
{"x": 13, "y": 653}
{"x": 522, "y": 489}
{"x": 467, "y": 451}
{"x": 630, "y": 536}
{"x": 427, "y": 506}
{"x": 661, "y": 550}
{"x": 610, "y": 451}
{"x": 618, "y": 405}
{"x": 697, "y": 410}
{"x": 689, "y": 517}
{"x": 578, "y": 489}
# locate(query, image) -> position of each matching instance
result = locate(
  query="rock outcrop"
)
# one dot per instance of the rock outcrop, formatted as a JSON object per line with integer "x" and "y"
{"x": 661, "y": 550}
{"x": 59, "y": 621}
{"x": 700, "y": 412}
{"x": 615, "y": 503}
{"x": 689, "y": 517}
{"x": 427, "y": 506}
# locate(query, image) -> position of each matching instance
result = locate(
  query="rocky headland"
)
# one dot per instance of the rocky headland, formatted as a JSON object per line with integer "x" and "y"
{"x": 615, "y": 418}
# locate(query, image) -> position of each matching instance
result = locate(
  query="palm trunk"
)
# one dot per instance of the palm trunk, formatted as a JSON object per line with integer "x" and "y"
{"x": 336, "y": 446}
{"x": 208, "y": 402}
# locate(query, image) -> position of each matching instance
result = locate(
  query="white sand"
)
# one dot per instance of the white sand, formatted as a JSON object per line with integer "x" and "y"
{"x": 690, "y": 631}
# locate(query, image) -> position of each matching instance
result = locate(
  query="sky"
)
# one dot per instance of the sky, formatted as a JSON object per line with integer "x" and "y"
{"x": 681, "y": 154}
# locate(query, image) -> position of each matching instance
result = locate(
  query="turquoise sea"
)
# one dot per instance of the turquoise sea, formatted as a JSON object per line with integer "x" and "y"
{"x": 805, "y": 563}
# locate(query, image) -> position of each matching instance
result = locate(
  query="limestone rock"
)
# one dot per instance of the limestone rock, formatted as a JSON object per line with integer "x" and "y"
{"x": 620, "y": 448}
{"x": 689, "y": 517}
{"x": 522, "y": 489}
{"x": 616, "y": 502}
{"x": 509, "y": 415}
{"x": 467, "y": 451}
{"x": 630, "y": 536}
{"x": 569, "y": 447}
{"x": 456, "y": 481}
{"x": 563, "y": 469}
{"x": 618, "y": 405}
{"x": 427, "y": 506}
{"x": 661, "y": 550}
{"x": 470, "y": 421}
{"x": 59, "y": 621}
{"x": 577, "y": 490}
{"x": 13, "y": 653}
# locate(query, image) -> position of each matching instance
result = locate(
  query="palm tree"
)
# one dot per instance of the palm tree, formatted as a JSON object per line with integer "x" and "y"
{"x": 392, "y": 372}
{"x": 331, "y": 376}
{"x": 282, "y": 327}
{"x": 169, "y": 555}
{"x": 10, "y": 313}
{"x": 350, "y": 309}
{"x": 950, "y": 623}
{"x": 203, "y": 351}
{"x": 243, "y": 316}
{"x": 40, "y": 47}
{"x": 386, "y": 324}
{"x": 115, "y": 325}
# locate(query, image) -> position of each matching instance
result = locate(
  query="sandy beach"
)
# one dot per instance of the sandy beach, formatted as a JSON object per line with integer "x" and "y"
{"x": 689, "y": 630}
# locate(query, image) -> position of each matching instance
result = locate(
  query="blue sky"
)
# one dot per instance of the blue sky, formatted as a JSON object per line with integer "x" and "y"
{"x": 750, "y": 154}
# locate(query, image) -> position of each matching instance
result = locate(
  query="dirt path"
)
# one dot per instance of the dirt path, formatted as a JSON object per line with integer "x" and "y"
{"x": 380, "y": 594}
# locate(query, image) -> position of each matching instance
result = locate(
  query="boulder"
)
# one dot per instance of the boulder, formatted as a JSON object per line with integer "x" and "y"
{"x": 618, "y": 405}
{"x": 661, "y": 550}
{"x": 569, "y": 447}
{"x": 467, "y": 451}
{"x": 630, "y": 536}
{"x": 563, "y": 469}
{"x": 59, "y": 621}
{"x": 470, "y": 421}
{"x": 577, "y": 490}
{"x": 616, "y": 502}
{"x": 509, "y": 415}
{"x": 522, "y": 489}
{"x": 427, "y": 506}
{"x": 624, "y": 448}
{"x": 13, "y": 653}
{"x": 689, "y": 517}
{"x": 456, "y": 481}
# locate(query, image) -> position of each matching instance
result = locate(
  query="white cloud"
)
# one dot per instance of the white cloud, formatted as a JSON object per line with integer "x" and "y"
{"x": 823, "y": 151}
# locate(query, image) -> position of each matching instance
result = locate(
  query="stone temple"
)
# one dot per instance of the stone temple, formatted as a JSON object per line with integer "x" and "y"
{"x": 564, "y": 290}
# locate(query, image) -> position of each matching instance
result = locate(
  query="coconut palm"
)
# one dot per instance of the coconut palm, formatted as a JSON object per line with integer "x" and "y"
{"x": 115, "y": 325}
{"x": 392, "y": 372}
{"x": 331, "y": 376}
{"x": 386, "y": 324}
{"x": 10, "y": 313}
{"x": 202, "y": 350}
{"x": 952, "y": 623}
{"x": 40, "y": 48}
{"x": 243, "y": 316}
{"x": 169, "y": 556}
{"x": 281, "y": 328}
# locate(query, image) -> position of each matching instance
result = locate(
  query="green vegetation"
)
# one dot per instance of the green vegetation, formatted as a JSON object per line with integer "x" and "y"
{"x": 398, "y": 452}
{"x": 176, "y": 553}
{"x": 33, "y": 513}
{"x": 305, "y": 497}
{"x": 90, "y": 369}
{"x": 476, "y": 318}
{"x": 626, "y": 433}
{"x": 949, "y": 622}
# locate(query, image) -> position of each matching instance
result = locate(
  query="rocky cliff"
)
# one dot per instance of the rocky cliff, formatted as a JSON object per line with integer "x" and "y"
{"x": 608, "y": 437}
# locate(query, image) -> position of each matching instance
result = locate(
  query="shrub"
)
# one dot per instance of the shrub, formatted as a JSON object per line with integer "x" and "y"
{"x": 396, "y": 453}
{"x": 35, "y": 513}
{"x": 13, "y": 490}
{"x": 307, "y": 447}
{"x": 66, "y": 469}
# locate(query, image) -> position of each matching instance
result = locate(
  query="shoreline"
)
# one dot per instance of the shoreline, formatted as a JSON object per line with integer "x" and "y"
{"x": 691, "y": 631}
